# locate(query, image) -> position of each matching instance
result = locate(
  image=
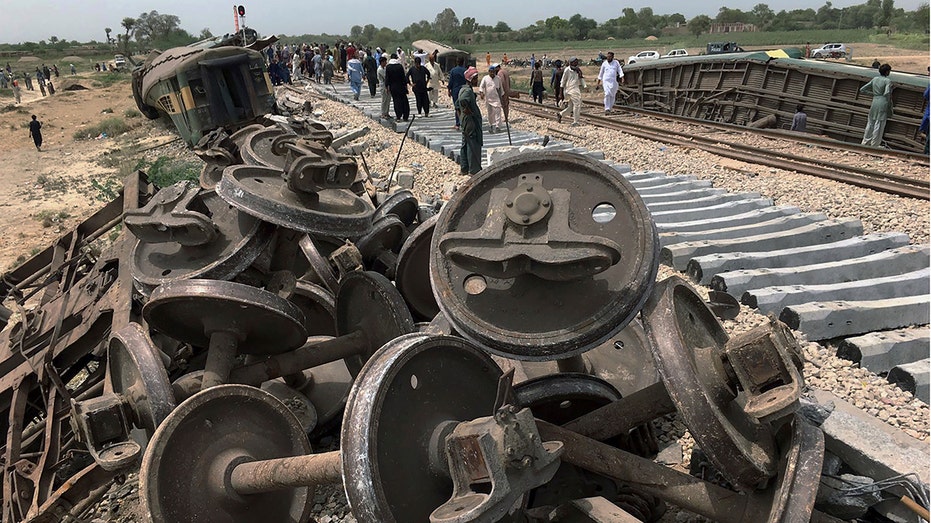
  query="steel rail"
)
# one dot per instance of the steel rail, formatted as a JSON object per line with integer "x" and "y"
{"x": 881, "y": 182}
{"x": 810, "y": 139}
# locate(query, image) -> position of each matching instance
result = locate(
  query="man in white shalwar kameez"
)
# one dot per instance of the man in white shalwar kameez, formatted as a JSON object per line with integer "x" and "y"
{"x": 490, "y": 91}
{"x": 609, "y": 75}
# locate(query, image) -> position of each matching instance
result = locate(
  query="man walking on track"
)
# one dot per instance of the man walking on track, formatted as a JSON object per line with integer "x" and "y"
{"x": 572, "y": 85}
{"x": 610, "y": 75}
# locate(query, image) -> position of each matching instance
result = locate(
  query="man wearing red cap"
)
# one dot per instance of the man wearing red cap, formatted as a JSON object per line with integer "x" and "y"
{"x": 470, "y": 154}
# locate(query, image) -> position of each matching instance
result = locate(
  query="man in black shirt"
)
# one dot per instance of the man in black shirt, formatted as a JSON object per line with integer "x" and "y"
{"x": 418, "y": 77}
{"x": 371, "y": 71}
{"x": 35, "y": 132}
{"x": 396, "y": 79}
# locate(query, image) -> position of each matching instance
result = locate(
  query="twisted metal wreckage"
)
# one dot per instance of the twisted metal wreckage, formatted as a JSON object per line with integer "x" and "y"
{"x": 227, "y": 326}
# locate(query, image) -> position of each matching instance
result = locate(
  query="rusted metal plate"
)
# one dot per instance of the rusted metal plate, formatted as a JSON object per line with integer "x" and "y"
{"x": 407, "y": 390}
{"x": 193, "y": 310}
{"x": 534, "y": 284}
{"x": 185, "y": 474}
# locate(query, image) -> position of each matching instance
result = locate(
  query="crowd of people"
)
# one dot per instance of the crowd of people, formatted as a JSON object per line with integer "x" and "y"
{"x": 19, "y": 80}
{"x": 397, "y": 74}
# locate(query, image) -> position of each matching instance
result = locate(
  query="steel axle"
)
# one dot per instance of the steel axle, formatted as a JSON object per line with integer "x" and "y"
{"x": 256, "y": 477}
{"x": 306, "y": 357}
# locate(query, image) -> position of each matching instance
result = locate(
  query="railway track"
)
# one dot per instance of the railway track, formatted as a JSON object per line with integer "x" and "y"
{"x": 845, "y": 173}
{"x": 794, "y": 137}
{"x": 824, "y": 277}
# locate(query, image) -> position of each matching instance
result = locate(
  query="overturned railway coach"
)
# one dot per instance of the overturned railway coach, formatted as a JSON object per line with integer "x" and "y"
{"x": 742, "y": 88}
{"x": 202, "y": 89}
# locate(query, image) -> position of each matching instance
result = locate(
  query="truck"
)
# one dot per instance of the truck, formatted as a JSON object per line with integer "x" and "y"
{"x": 723, "y": 47}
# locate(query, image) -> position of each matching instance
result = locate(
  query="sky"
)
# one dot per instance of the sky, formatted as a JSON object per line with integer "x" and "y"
{"x": 85, "y": 20}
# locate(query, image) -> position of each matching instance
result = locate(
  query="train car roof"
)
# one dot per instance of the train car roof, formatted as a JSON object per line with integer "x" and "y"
{"x": 166, "y": 64}
{"x": 430, "y": 45}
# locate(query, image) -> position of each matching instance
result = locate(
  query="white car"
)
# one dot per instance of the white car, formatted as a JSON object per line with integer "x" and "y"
{"x": 676, "y": 52}
{"x": 830, "y": 51}
{"x": 643, "y": 55}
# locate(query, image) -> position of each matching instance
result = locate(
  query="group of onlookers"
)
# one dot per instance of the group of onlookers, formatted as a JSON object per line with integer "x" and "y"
{"x": 390, "y": 72}
{"x": 19, "y": 80}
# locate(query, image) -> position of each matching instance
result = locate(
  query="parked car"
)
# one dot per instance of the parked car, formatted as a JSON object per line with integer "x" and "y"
{"x": 119, "y": 61}
{"x": 676, "y": 52}
{"x": 643, "y": 55}
{"x": 830, "y": 51}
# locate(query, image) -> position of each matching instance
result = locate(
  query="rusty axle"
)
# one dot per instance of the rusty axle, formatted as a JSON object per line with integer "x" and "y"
{"x": 275, "y": 474}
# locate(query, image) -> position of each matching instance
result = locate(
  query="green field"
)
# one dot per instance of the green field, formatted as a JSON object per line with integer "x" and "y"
{"x": 746, "y": 40}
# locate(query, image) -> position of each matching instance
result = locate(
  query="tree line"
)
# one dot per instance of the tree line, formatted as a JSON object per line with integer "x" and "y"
{"x": 874, "y": 14}
{"x": 151, "y": 30}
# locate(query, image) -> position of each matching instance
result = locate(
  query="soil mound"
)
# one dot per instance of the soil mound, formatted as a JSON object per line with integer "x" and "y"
{"x": 71, "y": 84}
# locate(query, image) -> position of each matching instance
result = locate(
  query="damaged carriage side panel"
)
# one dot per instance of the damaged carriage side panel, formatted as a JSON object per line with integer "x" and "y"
{"x": 768, "y": 86}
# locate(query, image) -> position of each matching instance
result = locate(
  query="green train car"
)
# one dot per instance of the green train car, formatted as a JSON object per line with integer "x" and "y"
{"x": 201, "y": 89}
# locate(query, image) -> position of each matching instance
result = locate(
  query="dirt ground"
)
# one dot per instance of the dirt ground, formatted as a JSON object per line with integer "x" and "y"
{"x": 904, "y": 60}
{"x": 45, "y": 193}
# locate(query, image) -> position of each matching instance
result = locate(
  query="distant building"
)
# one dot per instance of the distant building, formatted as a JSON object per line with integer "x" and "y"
{"x": 735, "y": 27}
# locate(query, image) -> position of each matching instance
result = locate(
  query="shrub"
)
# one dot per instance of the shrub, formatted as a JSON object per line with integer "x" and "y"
{"x": 108, "y": 79}
{"x": 131, "y": 113}
{"x": 51, "y": 183}
{"x": 165, "y": 171}
{"x": 110, "y": 127}
{"x": 50, "y": 217}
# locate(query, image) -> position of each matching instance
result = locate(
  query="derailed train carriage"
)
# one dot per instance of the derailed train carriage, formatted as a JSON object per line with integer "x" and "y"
{"x": 742, "y": 88}
{"x": 201, "y": 89}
